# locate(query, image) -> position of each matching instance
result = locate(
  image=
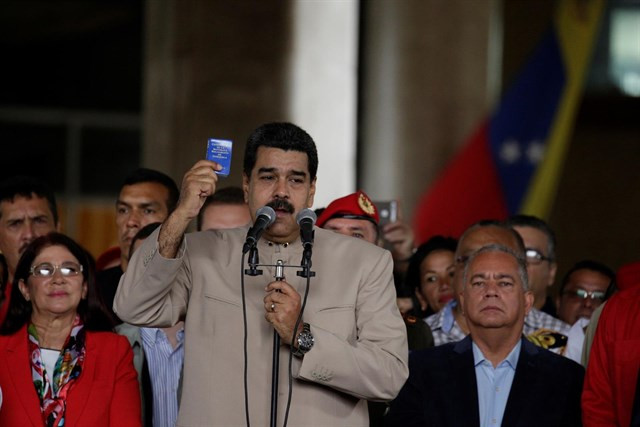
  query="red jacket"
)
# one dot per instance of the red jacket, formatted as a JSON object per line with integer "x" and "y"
{"x": 105, "y": 394}
{"x": 4, "y": 306}
{"x": 612, "y": 373}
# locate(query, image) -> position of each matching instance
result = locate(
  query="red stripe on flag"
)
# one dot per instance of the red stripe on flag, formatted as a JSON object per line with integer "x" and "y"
{"x": 467, "y": 191}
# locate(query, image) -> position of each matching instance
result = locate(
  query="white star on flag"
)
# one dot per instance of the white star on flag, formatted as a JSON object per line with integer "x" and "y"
{"x": 510, "y": 151}
{"x": 535, "y": 152}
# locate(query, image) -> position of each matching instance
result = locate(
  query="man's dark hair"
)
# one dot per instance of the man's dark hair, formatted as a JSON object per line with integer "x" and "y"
{"x": 27, "y": 186}
{"x": 223, "y": 196}
{"x": 91, "y": 309}
{"x": 538, "y": 224}
{"x": 590, "y": 265}
{"x": 142, "y": 175}
{"x": 285, "y": 136}
{"x": 142, "y": 234}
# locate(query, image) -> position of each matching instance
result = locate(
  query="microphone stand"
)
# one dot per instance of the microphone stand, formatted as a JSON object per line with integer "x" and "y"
{"x": 306, "y": 263}
{"x": 253, "y": 263}
{"x": 275, "y": 364}
{"x": 279, "y": 275}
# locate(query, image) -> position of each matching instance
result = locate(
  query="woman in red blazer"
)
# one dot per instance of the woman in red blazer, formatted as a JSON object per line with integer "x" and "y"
{"x": 59, "y": 362}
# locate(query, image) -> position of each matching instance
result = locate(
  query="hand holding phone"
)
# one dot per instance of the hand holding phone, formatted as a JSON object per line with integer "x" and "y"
{"x": 388, "y": 211}
{"x": 397, "y": 235}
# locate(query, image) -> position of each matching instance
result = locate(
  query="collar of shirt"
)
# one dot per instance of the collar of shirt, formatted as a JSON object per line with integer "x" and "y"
{"x": 151, "y": 336}
{"x": 494, "y": 384}
{"x": 537, "y": 319}
{"x": 447, "y": 316}
{"x": 511, "y": 359}
{"x": 577, "y": 330}
{"x": 133, "y": 333}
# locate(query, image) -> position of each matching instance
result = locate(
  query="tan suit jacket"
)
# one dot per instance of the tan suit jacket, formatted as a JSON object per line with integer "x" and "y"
{"x": 360, "y": 349}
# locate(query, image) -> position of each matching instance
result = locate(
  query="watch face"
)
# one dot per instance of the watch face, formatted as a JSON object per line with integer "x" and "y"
{"x": 305, "y": 340}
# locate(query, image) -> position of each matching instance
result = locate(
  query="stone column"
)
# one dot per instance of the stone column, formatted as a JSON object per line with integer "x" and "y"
{"x": 212, "y": 69}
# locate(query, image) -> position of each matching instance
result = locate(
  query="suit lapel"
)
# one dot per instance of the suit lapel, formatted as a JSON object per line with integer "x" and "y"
{"x": 524, "y": 383}
{"x": 80, "y": 391}
{"x": 19, "y": 363}
{"x": 465, "y": 388}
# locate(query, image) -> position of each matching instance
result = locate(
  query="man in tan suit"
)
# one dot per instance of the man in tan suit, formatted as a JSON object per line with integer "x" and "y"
{"x": 351, "y": 344}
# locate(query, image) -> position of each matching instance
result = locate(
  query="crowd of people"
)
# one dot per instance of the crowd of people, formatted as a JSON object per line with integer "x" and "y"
{"x": 175, "y": 328}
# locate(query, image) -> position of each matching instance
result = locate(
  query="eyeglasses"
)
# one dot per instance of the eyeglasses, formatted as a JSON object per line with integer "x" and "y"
{"x": 582, "y": 294}
{"x": 46, "y": 269}
{"x": 534, "y": 256}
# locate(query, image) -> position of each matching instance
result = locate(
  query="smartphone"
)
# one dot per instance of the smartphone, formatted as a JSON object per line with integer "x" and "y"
{"x": 388, "y": 211}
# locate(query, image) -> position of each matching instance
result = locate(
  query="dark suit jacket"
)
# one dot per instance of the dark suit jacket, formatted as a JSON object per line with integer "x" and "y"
{"x": 105, "y": 394}
{"x": 442, "y": 390}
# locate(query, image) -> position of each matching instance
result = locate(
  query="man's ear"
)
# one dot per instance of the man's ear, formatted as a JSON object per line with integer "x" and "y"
{"x": 312, "y": 192}
{"x": 245, "y": 187}
{"x": 552, "y": 273}
{"x": 528, "y": 302}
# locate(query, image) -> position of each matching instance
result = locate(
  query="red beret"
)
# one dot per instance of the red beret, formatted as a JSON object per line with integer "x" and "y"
{"x": 355, "y": 206}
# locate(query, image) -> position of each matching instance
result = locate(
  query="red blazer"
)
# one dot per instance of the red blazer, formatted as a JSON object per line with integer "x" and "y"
{"x": 105, "y": 394}
{"x": 614, "y": 363}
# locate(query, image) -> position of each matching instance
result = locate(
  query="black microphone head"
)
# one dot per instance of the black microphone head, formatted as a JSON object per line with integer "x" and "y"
{"x": 268, "y": 212}
{"x": 306, "y": 214}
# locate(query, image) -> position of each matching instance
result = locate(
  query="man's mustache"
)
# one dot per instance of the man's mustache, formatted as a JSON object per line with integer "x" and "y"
{"x": 282, "y": 205}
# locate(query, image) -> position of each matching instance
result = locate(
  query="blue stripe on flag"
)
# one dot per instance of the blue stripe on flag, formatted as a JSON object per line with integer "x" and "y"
{"x": 519, "y": 129}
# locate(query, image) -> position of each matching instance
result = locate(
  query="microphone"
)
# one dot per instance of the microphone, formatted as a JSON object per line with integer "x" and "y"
{"x": 306, "y": 218}
{"x": 265, "y": 216}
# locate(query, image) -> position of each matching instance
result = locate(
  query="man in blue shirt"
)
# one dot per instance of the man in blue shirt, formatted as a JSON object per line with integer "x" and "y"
{"x": 493, "y": 376}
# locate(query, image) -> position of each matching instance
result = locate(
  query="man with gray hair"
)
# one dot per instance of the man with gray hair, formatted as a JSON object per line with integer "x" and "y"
{"x": 494, "y": 376}
{"x": 449, "y": 324}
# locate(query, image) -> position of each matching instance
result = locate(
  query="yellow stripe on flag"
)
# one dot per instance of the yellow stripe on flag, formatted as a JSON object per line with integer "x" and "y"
{"x": 576, "y": 23}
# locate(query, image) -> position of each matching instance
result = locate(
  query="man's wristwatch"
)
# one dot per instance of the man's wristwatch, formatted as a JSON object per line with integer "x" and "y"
{"x": 305, "y": 341}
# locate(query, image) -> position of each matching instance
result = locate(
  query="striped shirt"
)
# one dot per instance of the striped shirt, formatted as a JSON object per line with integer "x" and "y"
{"x": 539, "y": 328}
{"x": 165, "y": 366}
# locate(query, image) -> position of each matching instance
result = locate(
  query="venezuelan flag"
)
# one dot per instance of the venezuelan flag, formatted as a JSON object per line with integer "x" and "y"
{"x": 512, "y": 162}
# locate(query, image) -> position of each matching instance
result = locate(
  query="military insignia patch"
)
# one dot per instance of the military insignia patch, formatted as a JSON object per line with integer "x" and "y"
{"x": 548, "y": 339}
{"x": 366, "y": 205}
